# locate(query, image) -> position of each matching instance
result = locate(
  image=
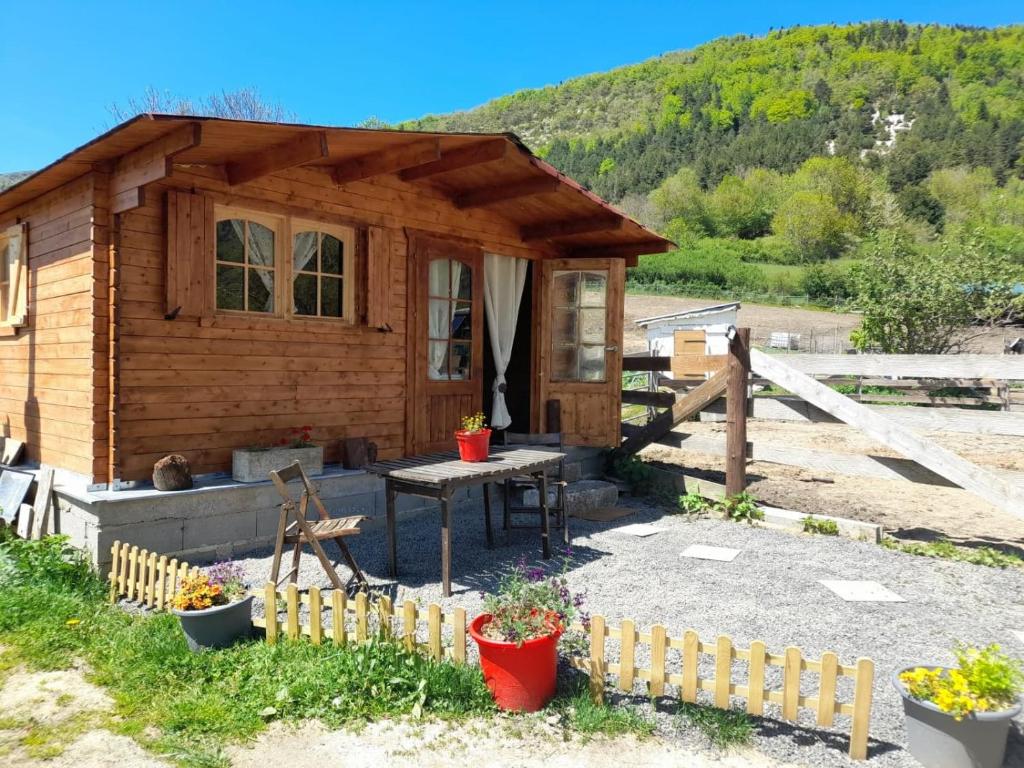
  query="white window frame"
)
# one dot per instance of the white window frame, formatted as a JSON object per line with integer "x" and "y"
{"x": 14, "y": 276}
{"x": 347, "y": 236}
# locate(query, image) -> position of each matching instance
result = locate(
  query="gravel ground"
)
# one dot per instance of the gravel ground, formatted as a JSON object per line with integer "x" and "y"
{"x": 769, "y": 592}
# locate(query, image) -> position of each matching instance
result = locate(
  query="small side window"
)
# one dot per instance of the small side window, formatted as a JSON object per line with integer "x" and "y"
{"x": 14, "y": 275}
{"x": 321, "y": 271}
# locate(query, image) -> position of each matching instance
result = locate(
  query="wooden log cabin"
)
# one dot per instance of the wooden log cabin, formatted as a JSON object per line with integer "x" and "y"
{"x": 194, "y": 285}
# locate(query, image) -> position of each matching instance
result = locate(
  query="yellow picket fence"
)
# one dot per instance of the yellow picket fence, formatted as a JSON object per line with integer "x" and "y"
{"x": 151, "y": 580}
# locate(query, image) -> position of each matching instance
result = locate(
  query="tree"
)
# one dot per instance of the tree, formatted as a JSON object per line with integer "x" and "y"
{"x": 812, "y": 226}
{"x": 918, "y": 203}
{"x": 932, "y": 302}
{"x": 744, "y": 207}
{"x": 243, "y": 104}
{"x": 681, "y": 197}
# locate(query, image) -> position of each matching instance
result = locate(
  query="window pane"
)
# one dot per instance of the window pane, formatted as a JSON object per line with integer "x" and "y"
{"x": 592, "y": 326}
{"x": 438, "y": 363}
{"x": 566, "y": 289}
{"x": 592, "y": 363}
{"x": 462, "y": 320}
{"x": 595, "y": 286}
{"x": 331, "y": 252}
{"x": 563, "y": 364}
{"x": 261, "y": 245}
{"x": 439, "y": 319}
{"x": 564, "y": 330}
{"x": 462, "y": 276}
{"x": 460, "y": 365}
{"x": 305, "y": 251}
{"x": 230, "y": 282}
{"x": 331, "y": 297}
{"x": 229, "y": 240}
{"x": 439, "y": 277}
{"x": 261, "y": 290}
{"x": 304, "y": 291}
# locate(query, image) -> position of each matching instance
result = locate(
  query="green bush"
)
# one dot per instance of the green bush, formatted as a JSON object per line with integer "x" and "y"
{"x": 813, "y": 524}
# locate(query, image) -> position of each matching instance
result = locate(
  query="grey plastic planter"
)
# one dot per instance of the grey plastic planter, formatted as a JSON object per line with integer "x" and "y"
{"x": 937, "y": 740}
{"x": 217, "y": 627}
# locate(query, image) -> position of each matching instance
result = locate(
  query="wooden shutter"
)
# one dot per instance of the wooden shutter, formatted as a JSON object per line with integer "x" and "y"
{"x": 190, "y": 254}
{"x": 378, "y": 277}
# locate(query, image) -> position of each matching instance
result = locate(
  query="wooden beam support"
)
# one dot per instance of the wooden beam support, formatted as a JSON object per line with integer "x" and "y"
{"x": 555, "y": 229}
{"x": 499, "y": 193}
{"x": 304, "y": 148}
{"x": 390, "y": 160}
{"x": 150, "y": 162}
{"x": 626, "y": 251}
{"x": 473, "y": 154}
{"x": 738, "y": 368}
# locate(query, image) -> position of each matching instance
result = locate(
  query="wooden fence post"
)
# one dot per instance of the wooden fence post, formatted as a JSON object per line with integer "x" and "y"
{"x": 292, "y": 603}
{"x": 736, "y": 413}
{"x": 315, "y": 616}
{"x": 861, "y": 709}
{"x": 338, "y": 601}
{"x": 115, "y": 551}
{"x": 270, "y": 611}
{"x": 459, "y": 636}
{"x": 597, "y": 665}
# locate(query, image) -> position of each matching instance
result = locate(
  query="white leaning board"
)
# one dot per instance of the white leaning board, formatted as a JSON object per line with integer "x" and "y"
{"x": 863, "y": 591}
{"x": 704, "y": 552}
{"x": 638, "y": 529}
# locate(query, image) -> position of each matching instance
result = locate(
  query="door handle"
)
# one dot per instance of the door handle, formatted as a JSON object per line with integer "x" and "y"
{"x": 612, "y": 348}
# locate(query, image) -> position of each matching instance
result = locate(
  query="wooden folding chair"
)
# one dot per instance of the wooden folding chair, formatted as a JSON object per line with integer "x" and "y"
{"x": 516, "y": 487}
{"x": 300, "y": 531}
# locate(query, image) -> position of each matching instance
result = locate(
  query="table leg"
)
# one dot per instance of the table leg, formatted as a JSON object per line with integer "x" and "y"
{"x": 487, "y": 515}
{"x": 545, "y": 527}
{"x": 391, "y": 496}
{"x": 446, "y": 545}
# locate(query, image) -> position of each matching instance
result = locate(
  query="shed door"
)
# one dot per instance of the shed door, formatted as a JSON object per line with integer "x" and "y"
{"x": 580, "y": 351}
{"x": 448, "y": 349}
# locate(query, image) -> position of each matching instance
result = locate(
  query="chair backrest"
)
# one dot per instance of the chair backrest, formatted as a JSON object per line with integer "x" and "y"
{"x": 294, "y": 471}
{"x": 553, "y": 439}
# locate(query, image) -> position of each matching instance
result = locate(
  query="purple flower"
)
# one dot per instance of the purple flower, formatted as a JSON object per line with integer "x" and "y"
{"x": 535, "y": 574}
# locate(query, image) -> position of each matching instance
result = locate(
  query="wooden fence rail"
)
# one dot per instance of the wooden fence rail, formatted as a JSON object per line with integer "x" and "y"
{"x": 151, "y": 580}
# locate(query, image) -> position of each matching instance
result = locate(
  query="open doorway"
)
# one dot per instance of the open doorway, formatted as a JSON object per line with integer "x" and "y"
{"x": 518, "y": 374}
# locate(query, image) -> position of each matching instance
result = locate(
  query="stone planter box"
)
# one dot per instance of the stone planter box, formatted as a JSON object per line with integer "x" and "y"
{"x": 253, "y": 465}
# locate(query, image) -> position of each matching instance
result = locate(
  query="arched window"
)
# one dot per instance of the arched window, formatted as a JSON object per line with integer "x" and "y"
{"x": 449, "y": 320}
{"x": 321, "y": 264}
{"x": 246, "y": 263}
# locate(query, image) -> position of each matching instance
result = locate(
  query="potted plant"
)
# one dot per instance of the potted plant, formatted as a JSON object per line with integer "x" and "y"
{"x": 960, "y": 717}
{"x": 519, "y": 634}
{"x": 254, "y": 464}
{"x": 215, "y": 608}
{"x": 474, "y": 438}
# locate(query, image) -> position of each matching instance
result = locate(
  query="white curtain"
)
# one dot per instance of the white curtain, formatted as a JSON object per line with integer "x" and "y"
{"x": 261, "y": 253}
{"x": 444, "y": 280}
{"x": 305, "y": 251}
{"x": 504, "y": 278}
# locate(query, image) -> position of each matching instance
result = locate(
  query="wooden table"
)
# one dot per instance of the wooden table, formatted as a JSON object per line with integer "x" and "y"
{"x": 439, "y": 475}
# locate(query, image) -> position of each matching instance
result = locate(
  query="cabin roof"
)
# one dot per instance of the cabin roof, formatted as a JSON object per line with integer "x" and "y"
{"x": 548, "y": 206}
{"x": 687, "y": 314}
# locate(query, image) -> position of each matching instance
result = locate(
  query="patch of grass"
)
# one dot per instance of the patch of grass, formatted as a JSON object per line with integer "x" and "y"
{"x": 724, "y": 728}
{"x": 947, "y": 550}
{"x": 821, "y": 527}
{"x": 582, "y": 715}
{"x": 742, "y": 508}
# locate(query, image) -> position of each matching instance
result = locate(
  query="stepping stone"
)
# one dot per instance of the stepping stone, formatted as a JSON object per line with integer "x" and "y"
{"x": 704, "y": 552}
{"x": 863, "y": 591}
{"x": 639, "y": 529}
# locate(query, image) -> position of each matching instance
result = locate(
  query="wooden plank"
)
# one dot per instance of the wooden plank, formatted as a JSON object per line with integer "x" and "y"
{"x": 390, "y": 160}
{"x": 362, "y": 618}
{"x": 738, "y": 372}
{"x": 827, "y": 689}
{"x": 552, "y": 230}
{"x": 500, "y": 193}
{"x": 659, "y": 645}
{"x": 151, "y": 581}
{"x": 409, "y": 625}
{"x": 723, "y": 671}
{"x": 378, "y": 278}
{"x": 304, "y": 148}
{"x": 172, "y": 580}
{"x": 627, "y": 655}
{"x": 645, "y": 363}
{"x": 655, "y": 399}
{"x": 691, "y": 646}
{"x": 971, "y": 477}
{"x": 315, "y": 616}
{"x": 459, "y": 635}
{"x": 691, "y": 366}
{"x": 292, "y": 603}
{"x": 122, "y": 576}
{"x": 999, "y": 367}
{"x": 115, "y": 565}
{"x": 149, "y": 163}
{"x": 597, "y": 666}
{"x": 755, "y": 679}
{"x": 133, "y": 569}
{"x": 270, "y": 611}
{"x": 161, "y": 584}
{"x": 861, "y": 709}
{"x": 338, "y": 607}
{"x": 463, "y": 157}
{"x": 434, "y": 632}
{"x": 791, "y": 684}
{"x": 624, "y": 251}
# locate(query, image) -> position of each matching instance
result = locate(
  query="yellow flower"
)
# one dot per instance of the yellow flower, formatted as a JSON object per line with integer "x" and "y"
{"x": 73, "y": 622}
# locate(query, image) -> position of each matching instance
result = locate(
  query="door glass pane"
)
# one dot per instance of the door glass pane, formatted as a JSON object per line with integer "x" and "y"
{"x": 463, "y": 276}
{"x": 261, "y": 290}
{"x": 592, "y": 326}
{"x": 592, "y": 363}
{"x": 305, "y": 251}
{"x": 437, "y": 368}
{"x": 461, "y": 360}
{"x": 229, "y": 241}
{"x": 566, "y": 289}
{"x": 438, "y": 279}
{"x": 331, "y": 297}
{"x": 305, "y": 294}
{"x": 331, "y": 252}
{"x": 439, "y": 319}
{"x": 564, "y": 364}
{"x": 462, "y": 320}
{"x": 261, "y": 245}
{"x": 595, "y": 286}
{"x": 564, "y": 330}
{"x": 230, "y": 282}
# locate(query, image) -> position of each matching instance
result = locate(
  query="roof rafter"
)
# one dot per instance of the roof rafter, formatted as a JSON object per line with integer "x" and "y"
{"x": 390, "y": 160}
{"x": 499, "y": 193}
{"x": 566, "y": 228}
{"x": 150, "y": 162}
{"x": 304, "y": 148}
{"x": 463, "y": 157}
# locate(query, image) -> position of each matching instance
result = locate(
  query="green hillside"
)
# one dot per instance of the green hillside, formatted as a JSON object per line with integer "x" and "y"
{"x": 800, "y": 146}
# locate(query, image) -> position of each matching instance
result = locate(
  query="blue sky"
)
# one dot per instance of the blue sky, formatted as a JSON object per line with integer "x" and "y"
{"x": 341, "y": 62}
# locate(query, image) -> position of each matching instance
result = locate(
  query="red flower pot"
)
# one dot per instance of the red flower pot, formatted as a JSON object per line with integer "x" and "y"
{"x": 473, "y": 446}
{"x": 521, "y": 677}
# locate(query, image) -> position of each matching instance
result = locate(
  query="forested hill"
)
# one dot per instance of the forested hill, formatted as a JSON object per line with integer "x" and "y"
{"x": 774, "y": 101}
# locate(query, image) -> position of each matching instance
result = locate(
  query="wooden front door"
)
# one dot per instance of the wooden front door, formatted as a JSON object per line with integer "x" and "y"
{"x": 580, "y": 351}
{"x": 447, "y": 349}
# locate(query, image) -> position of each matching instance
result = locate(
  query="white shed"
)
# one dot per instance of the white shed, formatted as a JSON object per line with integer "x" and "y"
{"x": 714, "y": 321}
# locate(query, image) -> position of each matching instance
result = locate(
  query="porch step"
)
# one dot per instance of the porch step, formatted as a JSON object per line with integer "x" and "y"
{"x": 580, "y": 496}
